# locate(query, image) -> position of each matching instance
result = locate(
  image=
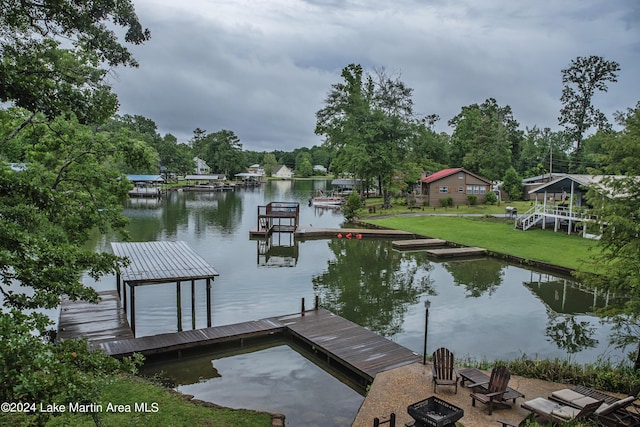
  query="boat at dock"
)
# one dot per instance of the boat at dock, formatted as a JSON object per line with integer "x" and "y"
{"x": 322, "y": 199}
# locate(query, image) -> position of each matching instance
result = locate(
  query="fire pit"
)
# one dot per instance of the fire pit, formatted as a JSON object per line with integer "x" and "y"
{"x": 435, "y": 412}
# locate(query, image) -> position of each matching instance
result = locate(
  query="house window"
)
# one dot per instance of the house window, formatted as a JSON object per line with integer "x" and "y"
{"x": 461, "y": 189}
{"x": 444, "y": 189}
{"x": 460, "y": 175}
{"x": 476, "y": 189}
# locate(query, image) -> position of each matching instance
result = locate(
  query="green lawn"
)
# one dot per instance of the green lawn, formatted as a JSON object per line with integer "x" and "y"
{"x": 499, "y": 235}
{"x": 164, "y": 410}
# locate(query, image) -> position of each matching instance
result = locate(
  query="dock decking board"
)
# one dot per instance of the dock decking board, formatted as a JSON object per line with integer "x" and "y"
{"x": 418, "y": 243}
{"x": 452, "y": 252}
{"x": 98, "y": 322}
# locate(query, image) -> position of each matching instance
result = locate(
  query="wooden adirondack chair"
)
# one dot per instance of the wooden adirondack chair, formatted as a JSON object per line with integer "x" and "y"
{"x": 443, "y": 370}
{"x": 495, "y": 390}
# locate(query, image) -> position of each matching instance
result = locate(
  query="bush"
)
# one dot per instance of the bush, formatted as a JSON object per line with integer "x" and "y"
{"x": 446, "y": 202}
{"x": 472, "y": 199}
{"x": 490, "y": 198}
{"x": 352, "y": 206}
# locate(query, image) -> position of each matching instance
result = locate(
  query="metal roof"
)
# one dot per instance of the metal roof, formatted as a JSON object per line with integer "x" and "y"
{"x": 145, "y": 178}
{"x": 161, "y": 262}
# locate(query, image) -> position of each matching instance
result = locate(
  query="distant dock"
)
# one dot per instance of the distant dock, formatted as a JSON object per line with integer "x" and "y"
{"x": 418, "y": 244}
{"x": 310, "y": 232}
{"x": 457, "y": 252}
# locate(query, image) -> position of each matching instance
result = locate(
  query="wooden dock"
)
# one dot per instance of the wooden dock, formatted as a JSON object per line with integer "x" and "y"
{"x": 309, "y": 232}
{"x": 177, "y": 341}
{"x": 340, "y": 341}
{"x": 349, "y": 344}
{"x": 105, "y": 321}
{"x": 457, "y": 252}
{"x": 413, "y": 244}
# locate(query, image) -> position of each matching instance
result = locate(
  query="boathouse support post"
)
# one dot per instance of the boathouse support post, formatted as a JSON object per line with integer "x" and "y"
{"x": 208, "y": 302}
{"x": 179, "y": 305}
{"x": 118, "y": 283}
{"x": 133, "y": 309}
{"x": 193, "y": 304}
{"x": 427, "y": 304}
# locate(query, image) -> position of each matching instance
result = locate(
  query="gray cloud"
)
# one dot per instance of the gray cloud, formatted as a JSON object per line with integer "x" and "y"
{"x": 263, "y": 69}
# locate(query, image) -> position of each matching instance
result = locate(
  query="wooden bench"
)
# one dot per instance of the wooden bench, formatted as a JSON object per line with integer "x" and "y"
{"x": 480, "y": 379}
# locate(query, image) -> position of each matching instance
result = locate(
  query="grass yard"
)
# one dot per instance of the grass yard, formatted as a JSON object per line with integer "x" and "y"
{"x": 499, "y": 235}
{"x": 172, "y": 410}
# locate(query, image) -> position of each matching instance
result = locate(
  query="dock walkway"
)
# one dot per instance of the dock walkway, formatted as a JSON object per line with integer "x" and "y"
{"x": 362, "y": 352}
{"x": 105, "y": 321}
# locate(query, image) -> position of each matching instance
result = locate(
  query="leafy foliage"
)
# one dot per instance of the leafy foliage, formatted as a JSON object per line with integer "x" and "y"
{"x": 616, "y": 202}
{"x": 352, "y": 207}
{"x": 39, "y": 75}
{"x": 512, "y": 184}
{"x": 368, "y": 122}
{"x": 581, "y": 80}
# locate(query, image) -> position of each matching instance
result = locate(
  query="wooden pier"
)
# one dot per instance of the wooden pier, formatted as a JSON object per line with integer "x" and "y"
{"x": 310, "y": 232}
{"x": 105, "y": 321}
{"x": 457, "y": 252}
{"x": 414, "y": 244}
{"x": 341, "y": 342}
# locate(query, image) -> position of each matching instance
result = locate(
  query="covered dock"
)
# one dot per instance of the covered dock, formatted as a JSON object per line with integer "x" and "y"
{"x": 152, "y": 263}
{"x": 569, "y": 212}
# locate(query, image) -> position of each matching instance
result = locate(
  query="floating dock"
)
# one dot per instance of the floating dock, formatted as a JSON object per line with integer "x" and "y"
{"x": 457, "y": 252}
{"x": 310, "y": 232}
{"x": 105, "y": 321}
{"x": 418, "y": 244}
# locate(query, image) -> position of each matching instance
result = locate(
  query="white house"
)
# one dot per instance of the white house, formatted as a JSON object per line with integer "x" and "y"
{"x": 201, "y": 166}
{"x": 319, "y": 168}
{"x": 282, "y": 172}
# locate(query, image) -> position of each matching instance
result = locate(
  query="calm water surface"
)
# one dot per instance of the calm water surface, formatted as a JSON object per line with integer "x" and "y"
{"x": 482, "y": 308}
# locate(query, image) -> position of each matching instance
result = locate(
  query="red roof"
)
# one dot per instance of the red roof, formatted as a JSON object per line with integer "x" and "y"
{"x": 441, "y": 174}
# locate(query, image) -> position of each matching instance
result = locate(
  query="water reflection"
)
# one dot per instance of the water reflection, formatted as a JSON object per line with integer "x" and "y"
{"x": 478, "y": 276}
{"x": 371, "y": 284}
{"x": 570, "y": 334}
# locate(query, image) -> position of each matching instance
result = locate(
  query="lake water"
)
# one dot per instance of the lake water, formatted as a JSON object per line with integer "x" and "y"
{"x": 481, "y": 308}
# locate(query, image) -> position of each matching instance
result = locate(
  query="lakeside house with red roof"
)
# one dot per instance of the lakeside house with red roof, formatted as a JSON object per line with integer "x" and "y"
{"x": 456, "y": 183}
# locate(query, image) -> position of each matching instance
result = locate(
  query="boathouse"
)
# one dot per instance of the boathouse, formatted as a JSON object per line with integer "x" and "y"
{"x": 145, "y": 185}
{"x": 153, "y": 263}
{"x": 569, "y": 213}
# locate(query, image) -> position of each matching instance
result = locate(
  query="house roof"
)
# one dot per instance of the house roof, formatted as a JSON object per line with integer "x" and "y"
{"x": 564, "y": 183}
{"x": 448, "y": 172}
{"x": 281, "y": 168}
{"x": 203, "y": 177}
{"x": 145, "y": 178}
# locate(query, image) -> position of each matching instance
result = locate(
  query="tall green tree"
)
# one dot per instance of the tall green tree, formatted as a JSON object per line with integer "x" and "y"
{"x": 368, "y": 121}
{"x": 512, "y": 184}
{"x": 269, "y": 163}
{"x": 54, "y": 56}
{"x": 617, "y": 205}
{"x": 581, "y": 80}
{"x": 486, "y": 139}
{"x": 221, "y": 150}
{"x": 40, "y": 76}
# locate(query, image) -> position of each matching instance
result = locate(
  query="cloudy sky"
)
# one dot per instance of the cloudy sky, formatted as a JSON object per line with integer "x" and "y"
{"x": 262, "y": 68}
